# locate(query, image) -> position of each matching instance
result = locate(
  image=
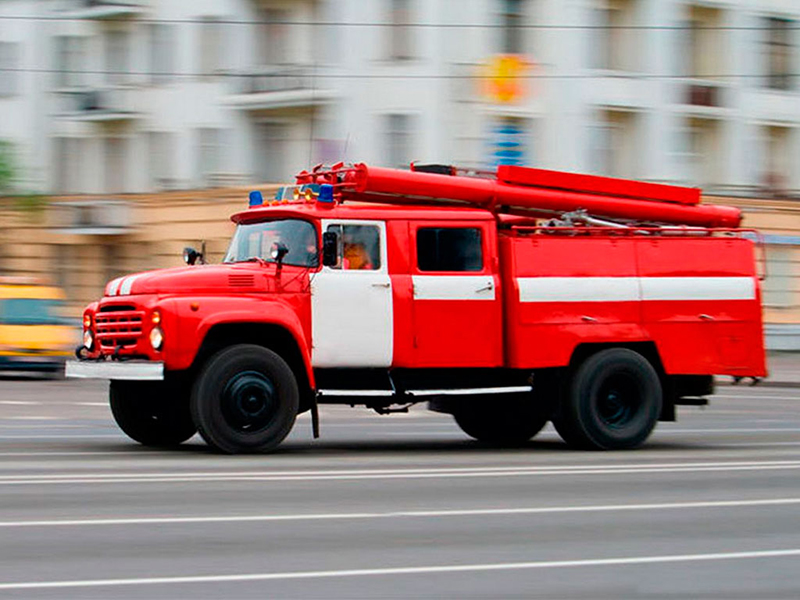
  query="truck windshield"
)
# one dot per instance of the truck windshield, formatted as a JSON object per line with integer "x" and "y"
{"x": 257, "y": 241}
{"x": 30, "y": 311}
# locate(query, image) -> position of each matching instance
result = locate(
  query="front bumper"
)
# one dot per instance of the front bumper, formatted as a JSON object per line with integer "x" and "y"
{"x": 130, "y": 370}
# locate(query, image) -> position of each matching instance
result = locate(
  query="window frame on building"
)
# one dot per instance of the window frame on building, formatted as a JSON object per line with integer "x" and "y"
{"x": 10, "y": 62}
{"x": 161, "y": 52}
{"x": 780, "y": 53}
{"x": 512, "y": 31}
{"x": 400, "y": 30}
{"x": 399, "y": 138}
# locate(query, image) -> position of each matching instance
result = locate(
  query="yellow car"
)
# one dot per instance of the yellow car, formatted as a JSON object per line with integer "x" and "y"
{"x": 34, "y": 335}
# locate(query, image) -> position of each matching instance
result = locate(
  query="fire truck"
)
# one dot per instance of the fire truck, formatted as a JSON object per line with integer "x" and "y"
{"x": 508, "y": 299}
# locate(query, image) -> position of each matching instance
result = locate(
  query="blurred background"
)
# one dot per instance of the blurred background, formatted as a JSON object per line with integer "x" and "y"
{"x": 129, "y": 130}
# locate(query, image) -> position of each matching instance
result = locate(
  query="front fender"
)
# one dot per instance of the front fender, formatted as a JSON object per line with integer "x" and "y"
{"x": 194, "y": 318}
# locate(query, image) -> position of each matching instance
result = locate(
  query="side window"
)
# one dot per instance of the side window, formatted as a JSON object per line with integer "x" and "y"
{"x": 449, "y": 249}
{"x": 359, "y": 247}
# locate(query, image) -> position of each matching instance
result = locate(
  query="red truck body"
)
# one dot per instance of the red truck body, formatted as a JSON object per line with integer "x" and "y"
{"x": 468, "y": 298}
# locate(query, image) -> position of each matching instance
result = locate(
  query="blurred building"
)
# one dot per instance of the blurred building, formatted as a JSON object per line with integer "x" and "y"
{"x": 103, "y": 98}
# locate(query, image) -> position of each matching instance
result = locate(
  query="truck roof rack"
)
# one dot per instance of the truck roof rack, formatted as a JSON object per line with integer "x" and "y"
{"x": 525, "y": 191}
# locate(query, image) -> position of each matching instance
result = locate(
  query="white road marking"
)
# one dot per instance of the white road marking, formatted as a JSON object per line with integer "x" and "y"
{"x": 422, "y": 473}
{"x": 751, "y": 397}
{"x": 31, "y": 418}
{"x": 730, "y": 430}
{"x": 477, "y": 512}
{"x": 140, "y": 452}
{"x": 89, "y": 403}
{"x": 289, "y": 575}
{"x": 20, "y": 402}
{"x": 62, "y": 437}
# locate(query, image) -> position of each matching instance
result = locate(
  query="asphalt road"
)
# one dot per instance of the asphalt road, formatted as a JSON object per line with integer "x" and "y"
{"x": 398, "y": 506}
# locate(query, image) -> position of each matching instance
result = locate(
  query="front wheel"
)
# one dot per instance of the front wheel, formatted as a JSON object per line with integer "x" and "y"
{"x": 612, "y": 403}
{"x": 151, "y": 413}
{"x": 245, "y": 400}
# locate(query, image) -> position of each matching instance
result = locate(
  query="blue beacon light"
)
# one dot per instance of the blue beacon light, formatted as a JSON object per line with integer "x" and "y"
{"x": 256, "y": 199}
{"x": 325, "y": 193}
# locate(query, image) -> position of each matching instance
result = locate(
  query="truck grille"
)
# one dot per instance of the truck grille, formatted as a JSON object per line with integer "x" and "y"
{"x": 119, "y": 325}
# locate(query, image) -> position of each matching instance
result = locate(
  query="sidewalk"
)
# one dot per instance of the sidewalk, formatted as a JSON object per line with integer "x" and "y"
{"x": 784, "y": 371}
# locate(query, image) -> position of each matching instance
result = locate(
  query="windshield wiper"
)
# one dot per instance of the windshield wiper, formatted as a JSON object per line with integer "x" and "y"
{"x": 257, "y": 259}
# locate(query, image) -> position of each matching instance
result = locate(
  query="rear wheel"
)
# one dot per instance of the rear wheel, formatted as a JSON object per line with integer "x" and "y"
{"x": 245, "y": 400}
{"x": 613, "y": 402}
{"x": 152, "y": 413}
{"x": 506, "y": 422}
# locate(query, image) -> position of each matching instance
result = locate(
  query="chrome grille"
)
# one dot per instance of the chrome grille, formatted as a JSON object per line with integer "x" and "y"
{"x": 118, "y": 326}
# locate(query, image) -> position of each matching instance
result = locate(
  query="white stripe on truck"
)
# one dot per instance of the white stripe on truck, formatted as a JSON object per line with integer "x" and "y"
{"x": 630, "y": 289}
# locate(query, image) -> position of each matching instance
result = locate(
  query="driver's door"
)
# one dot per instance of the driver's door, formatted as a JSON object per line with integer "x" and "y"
{"x": 351, "y": 303}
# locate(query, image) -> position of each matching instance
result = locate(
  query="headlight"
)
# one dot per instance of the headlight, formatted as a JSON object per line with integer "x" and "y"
{"x": 88, "y": 340}
{"x": 156, "y": 338}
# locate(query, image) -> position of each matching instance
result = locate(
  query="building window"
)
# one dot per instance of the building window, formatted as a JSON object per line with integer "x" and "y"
{"x": 511, "y": 22}
{"x": 400, "y": 30}
{"x": 161, "y": 156}
{"x": 779, "y": 53}
{"x": 69, "y": 61}
{"x": 615, "y": 144}
{"x": 273, "y": 38}
{"x": 272, "y": 146}
{"x": 115, "y": 165}
{"x": 210, "y": 50}
{"x": 777, "y": 175}
{"x": 117, "y": 58}
{"x": 454, "y": 249}
{"x": 68, "y": 157}
{"x": 209, "y": 155}
{"x": 9, "y": 65}
{"x": 778, "y": 287}
{"x": 617, "y": 44}
{"x": 699, "y": 152}
{"x": 162, "y": 52}
{"x": 399, "y": 132}
{"x": 704, "y": 43}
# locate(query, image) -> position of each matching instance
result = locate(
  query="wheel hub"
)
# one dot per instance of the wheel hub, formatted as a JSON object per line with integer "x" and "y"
{"x": 249, "y": 401}
{"x": 618, "y": 401}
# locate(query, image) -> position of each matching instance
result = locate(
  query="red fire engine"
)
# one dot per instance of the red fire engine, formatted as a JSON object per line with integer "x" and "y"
{"x": 507, "y": 299}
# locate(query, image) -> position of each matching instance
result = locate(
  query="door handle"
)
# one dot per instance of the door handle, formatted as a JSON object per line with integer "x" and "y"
{"x": 380, "y": 285}
{"x": 705, "y": 317}
{"x": 588, "y": 319}
{"x": 486, "y": 288}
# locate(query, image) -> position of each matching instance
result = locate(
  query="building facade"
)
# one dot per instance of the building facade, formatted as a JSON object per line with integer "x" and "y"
{"x": 111, "y": 105}
{"x": 112, "y": 96}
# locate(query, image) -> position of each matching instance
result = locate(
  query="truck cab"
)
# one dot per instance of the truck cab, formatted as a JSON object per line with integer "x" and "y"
{"x": 337, "y": 293}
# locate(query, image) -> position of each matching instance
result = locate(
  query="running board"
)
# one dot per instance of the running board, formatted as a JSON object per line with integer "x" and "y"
{"x": 334, "y": 393}
{"x": 516, "y": 389}
{"x": 356, "y": 393}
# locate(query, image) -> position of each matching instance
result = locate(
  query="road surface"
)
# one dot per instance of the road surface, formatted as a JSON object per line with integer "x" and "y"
{"x": 398, "y": 506}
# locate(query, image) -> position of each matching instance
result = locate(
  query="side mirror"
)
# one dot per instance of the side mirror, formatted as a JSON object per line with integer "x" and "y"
{"x": 191, "y": 256}
{"x": 330, "y": 245}
{"x": 279, "y": 251}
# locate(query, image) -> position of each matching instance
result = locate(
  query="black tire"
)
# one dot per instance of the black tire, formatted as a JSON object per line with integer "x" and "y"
{"x": 152, "y": 413}
{"x": 245, "y": 400}
{"x": 509, "y": 421}
{"x": 612, "y": 403}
